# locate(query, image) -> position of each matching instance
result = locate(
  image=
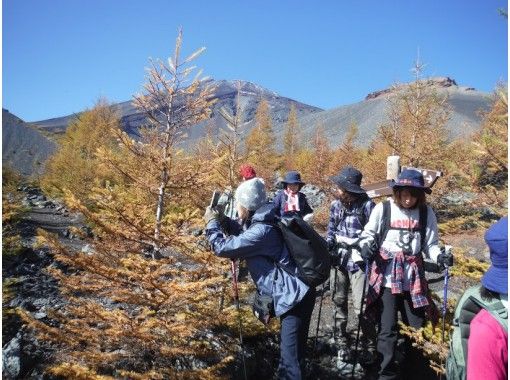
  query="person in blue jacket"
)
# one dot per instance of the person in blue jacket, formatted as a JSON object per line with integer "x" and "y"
{"x": 290, "y": 201}
{"x": 260, "y": 244}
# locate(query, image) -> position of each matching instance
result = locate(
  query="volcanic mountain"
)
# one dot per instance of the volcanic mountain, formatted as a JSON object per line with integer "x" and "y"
{"x": 367, "y": 114}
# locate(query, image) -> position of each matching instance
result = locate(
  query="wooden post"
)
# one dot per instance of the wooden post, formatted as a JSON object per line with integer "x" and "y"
{"x": 392, "y": 167}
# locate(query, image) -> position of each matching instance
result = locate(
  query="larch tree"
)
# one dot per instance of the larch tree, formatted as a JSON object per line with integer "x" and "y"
{"x": 318, "y": 159}
{"x": 260, "y": 143}
{"x": 482, "y": 165}
{"x": 373, "y": 161}
{"x": 227, "y": 151}
{"x": 291, "y": 137}
{"x": 172, "y": 104}
{"x": 127, "y": 315}
{"x": 347, "y": 153}
{"x": 75, "y": 166}
{"x": 416, "y": 130}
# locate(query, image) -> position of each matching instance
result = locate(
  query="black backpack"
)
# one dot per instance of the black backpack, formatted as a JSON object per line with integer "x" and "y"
{"x": 308, "y": 250}
{"x": 429, "y": 266}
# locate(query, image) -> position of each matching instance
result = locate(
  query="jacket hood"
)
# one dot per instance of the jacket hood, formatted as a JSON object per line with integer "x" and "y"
{"x": 265, "y": 213}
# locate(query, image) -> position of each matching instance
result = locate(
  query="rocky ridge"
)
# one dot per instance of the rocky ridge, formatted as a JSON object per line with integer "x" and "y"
{"x": 434, "y": 82}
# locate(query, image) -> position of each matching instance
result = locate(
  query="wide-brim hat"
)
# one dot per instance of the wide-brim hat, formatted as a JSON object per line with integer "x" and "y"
{"x": 349, "y": 179}
{"x": 496, "y": 280}
{"x": 411, "y": 178}
{"x": 293, "y": 177}
{"x": 496, "y": 277}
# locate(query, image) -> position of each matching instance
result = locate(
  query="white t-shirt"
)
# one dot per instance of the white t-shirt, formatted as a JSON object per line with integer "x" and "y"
{"x": 403, "y": 238}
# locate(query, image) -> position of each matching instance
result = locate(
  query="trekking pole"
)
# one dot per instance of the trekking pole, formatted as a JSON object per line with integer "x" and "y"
{"x": 333, "y": 293}
{"x": 443, "y": 311}
{"x": 318, "y": 321}
{"x": 359, "y": 319}
{"x": 236, "y": 302}
{"x": 445, "y": 295}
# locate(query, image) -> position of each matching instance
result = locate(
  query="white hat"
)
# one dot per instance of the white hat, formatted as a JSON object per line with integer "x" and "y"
{"x": 251, "y": 194}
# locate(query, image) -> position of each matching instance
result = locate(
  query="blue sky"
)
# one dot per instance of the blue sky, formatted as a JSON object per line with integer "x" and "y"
{"x": 60, "y": 56}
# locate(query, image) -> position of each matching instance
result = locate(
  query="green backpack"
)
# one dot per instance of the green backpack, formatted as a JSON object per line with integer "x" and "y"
{"x": 468, "y": 306}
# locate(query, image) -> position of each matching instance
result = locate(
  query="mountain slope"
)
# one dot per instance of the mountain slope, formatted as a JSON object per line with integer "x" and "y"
{"x": 367, "y": 114}
{"x": 370, "y": 113}
{"x": 225, "y": 93}
{"x": 24, "y": 148}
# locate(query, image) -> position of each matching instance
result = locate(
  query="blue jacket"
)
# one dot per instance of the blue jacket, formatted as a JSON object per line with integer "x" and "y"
{"x": 261, "y": 245}
{"x": 279, "y": 205}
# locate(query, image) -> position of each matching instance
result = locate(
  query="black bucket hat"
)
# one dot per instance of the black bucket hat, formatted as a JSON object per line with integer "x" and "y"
{"x": 349, "y": 179}
{"x": 411, "y": 178}
{"x": 293, "y": 177}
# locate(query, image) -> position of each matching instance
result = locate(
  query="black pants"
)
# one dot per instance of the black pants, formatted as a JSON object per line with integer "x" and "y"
{"x": 390, "y": 305}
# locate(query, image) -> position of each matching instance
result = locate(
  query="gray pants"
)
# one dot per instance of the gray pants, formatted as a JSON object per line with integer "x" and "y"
{"x": 340, "y": 280}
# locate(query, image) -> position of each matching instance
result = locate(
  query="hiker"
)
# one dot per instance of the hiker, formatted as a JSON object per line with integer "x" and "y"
{"x": 397, "y": 277}
{"x": 487, "y": 354}
{"x": 246, "y": 171}
{"x": 348, "y": 215}
{"x": 290, "y": 201}
{"x": 260, "y": 243}
{"x": 225, "y": 203}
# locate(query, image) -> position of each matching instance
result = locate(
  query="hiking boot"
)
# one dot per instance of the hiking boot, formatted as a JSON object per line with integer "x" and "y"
{"x": 340, "y": 328}
{"x": 332, "y": 341}
{"x": 336, "y": 345}
{"x": 368, "y": 357}
{"x": 345, "y": 368}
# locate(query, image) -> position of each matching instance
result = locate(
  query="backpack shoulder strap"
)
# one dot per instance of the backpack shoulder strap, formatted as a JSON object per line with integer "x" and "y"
{"x": 498, "y": 311}
{"x": 385, "y": 222}
{"x": 363, "y": 217}
{"x": 466, "y": 310}
{"x": 423, "y": 225}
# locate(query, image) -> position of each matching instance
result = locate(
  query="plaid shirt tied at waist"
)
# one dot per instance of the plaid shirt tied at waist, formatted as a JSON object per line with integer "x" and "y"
{"x": 418, "y": 287}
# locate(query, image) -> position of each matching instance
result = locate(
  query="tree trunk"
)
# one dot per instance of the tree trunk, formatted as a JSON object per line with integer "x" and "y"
{"x": 161, "y": 191}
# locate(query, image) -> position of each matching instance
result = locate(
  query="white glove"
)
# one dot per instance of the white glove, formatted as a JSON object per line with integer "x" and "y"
{"x": 356, "y": 256}
{"x": 308, "y": 217}
{"x": 347, "y": 241}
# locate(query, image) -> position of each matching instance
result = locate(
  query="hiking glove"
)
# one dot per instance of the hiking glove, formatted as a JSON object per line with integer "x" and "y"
{"x": 334, "y": 259}
{"x": 445, "y": 260}
{"x": 333, "y": 252}
{"x": 210, "y": 214}
{"x": 368, "y": 252}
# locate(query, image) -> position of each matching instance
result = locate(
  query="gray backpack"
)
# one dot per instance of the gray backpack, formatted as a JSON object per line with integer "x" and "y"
{"x": 468, "y": 306}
